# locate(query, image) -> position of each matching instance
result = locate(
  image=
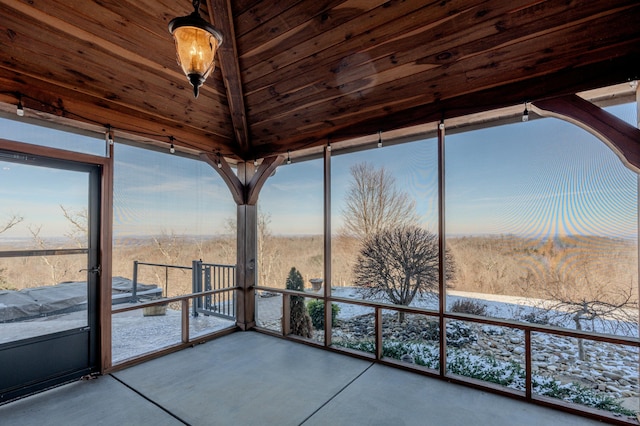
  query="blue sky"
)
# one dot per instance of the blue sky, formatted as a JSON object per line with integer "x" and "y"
{"x": 540, "y": 178}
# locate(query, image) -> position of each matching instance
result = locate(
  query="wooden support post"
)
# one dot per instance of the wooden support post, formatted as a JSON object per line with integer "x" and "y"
{"x": 378, "y": 331}
{"x": 286, "y": 314}
{"x": 106, "y": 248}
{"x": 245, "y": 188}
{"x": 328, "y": 311}
{"x": 442, "y": 283}
{"x": 527, "y": 364}
{"x": 247, "y": 234}
{"x": 185, "y": 320}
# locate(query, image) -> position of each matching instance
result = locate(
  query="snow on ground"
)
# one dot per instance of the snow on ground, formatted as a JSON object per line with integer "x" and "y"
{"x": 498, "y": 306}
{"x": 134, "y": 334}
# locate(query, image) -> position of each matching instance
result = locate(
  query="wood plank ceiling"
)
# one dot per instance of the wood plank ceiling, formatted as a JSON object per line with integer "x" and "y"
{"x": 292, "y": 73}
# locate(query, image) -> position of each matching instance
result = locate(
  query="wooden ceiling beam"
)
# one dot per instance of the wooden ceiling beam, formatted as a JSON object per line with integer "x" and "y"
{"x": 220, "y": 12}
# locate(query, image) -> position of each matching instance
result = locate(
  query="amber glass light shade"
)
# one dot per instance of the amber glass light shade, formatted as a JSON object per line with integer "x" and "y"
{"x": 196, "y": 44}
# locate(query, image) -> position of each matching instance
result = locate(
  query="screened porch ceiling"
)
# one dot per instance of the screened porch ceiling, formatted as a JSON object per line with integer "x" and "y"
{"x": 292, "y": 75}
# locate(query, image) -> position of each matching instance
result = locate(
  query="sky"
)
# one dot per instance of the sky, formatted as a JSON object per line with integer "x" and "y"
{"x": 540, "y": 178}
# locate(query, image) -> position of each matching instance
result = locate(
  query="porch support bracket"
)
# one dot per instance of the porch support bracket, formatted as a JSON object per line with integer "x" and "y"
{"x": 244, "y": 194}
{"x": 245, "y": 187}
{"x": 621, "y": 137}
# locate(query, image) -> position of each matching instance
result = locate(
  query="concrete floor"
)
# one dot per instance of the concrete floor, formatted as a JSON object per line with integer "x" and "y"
{"x": 254, "y": 379}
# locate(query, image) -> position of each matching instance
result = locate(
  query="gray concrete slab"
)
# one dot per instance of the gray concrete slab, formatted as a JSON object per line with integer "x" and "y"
{"x": 244, "y": 379}
{"x": 102, "y": 401}
{"x": 384, "y": 396}
{"x": 248, "y": 378}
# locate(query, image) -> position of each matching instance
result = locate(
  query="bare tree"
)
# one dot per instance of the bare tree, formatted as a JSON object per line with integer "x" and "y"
{"x": 596, "y": 306}
{"x": 57, "y": 268}
{"x": 79, "y": 221}
{"x": 399, "y": 263}
{"x": 13, "y": 220}
{"x": 268, "y": 254}
{"x": 373, "y": 203}
{"x": 170, "y": 247}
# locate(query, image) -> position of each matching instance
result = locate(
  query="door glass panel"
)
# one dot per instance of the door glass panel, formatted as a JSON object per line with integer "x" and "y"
{"x": 43, "y": 249}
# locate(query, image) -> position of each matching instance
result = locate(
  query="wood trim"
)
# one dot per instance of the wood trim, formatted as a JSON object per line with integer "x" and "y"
{"x": 328, "y": 311}
{"x": 106, "y": 232}
{"x": 621, "y": 137}
{"x": 185, "y": 320}
{"x": 528, "y": 388}
{"x": 286, "y": 315}
{"x": 442, "y": 247}
{"x": 106, "y": 256}
{"x": 248, "y": 292}
{"x": 619, "y": 340}
{"x": 45, "y": 252}
{"x": 264, "y": 172}
{"x": 220, "y": 165}
{"x": 243, "y": 194}
{"x": 378, "y": 333}
{"x": 59, "y": 154}
{"x": 220, "y": 12}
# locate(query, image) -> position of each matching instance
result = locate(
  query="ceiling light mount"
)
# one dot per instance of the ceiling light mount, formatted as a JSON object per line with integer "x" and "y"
{"x": 196, "y": 44}
{"x": 19, "y": 107}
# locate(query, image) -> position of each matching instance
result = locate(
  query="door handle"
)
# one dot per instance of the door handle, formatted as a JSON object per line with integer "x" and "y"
{"x": 95, "y": 269}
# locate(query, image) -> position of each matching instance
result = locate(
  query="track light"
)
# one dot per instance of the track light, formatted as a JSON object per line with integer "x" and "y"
{"x": 108, "y": 135}
{"x": 379, "y": 138}
{"x": 255, "y": 163}
{"x": 525, "y": 113}
{"x": 219, "y": 161}
{"x": 19, "y": 108}
{"x": 288, "y": 157}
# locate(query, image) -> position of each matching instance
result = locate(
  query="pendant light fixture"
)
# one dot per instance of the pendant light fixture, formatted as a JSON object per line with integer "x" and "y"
{"x": 196, "y": 45}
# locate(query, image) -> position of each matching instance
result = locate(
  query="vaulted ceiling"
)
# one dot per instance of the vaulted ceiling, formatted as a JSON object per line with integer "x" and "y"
{"x": 292, "y": 73}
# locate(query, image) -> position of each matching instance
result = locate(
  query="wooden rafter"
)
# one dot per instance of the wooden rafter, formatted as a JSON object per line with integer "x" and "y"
{"x": 620, "y": 136}
{"x": 220, "y": 14}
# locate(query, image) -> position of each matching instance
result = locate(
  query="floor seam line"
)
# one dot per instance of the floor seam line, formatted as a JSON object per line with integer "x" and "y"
{"x": 337, "y": 393}
{"x": 175, "y": 416}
